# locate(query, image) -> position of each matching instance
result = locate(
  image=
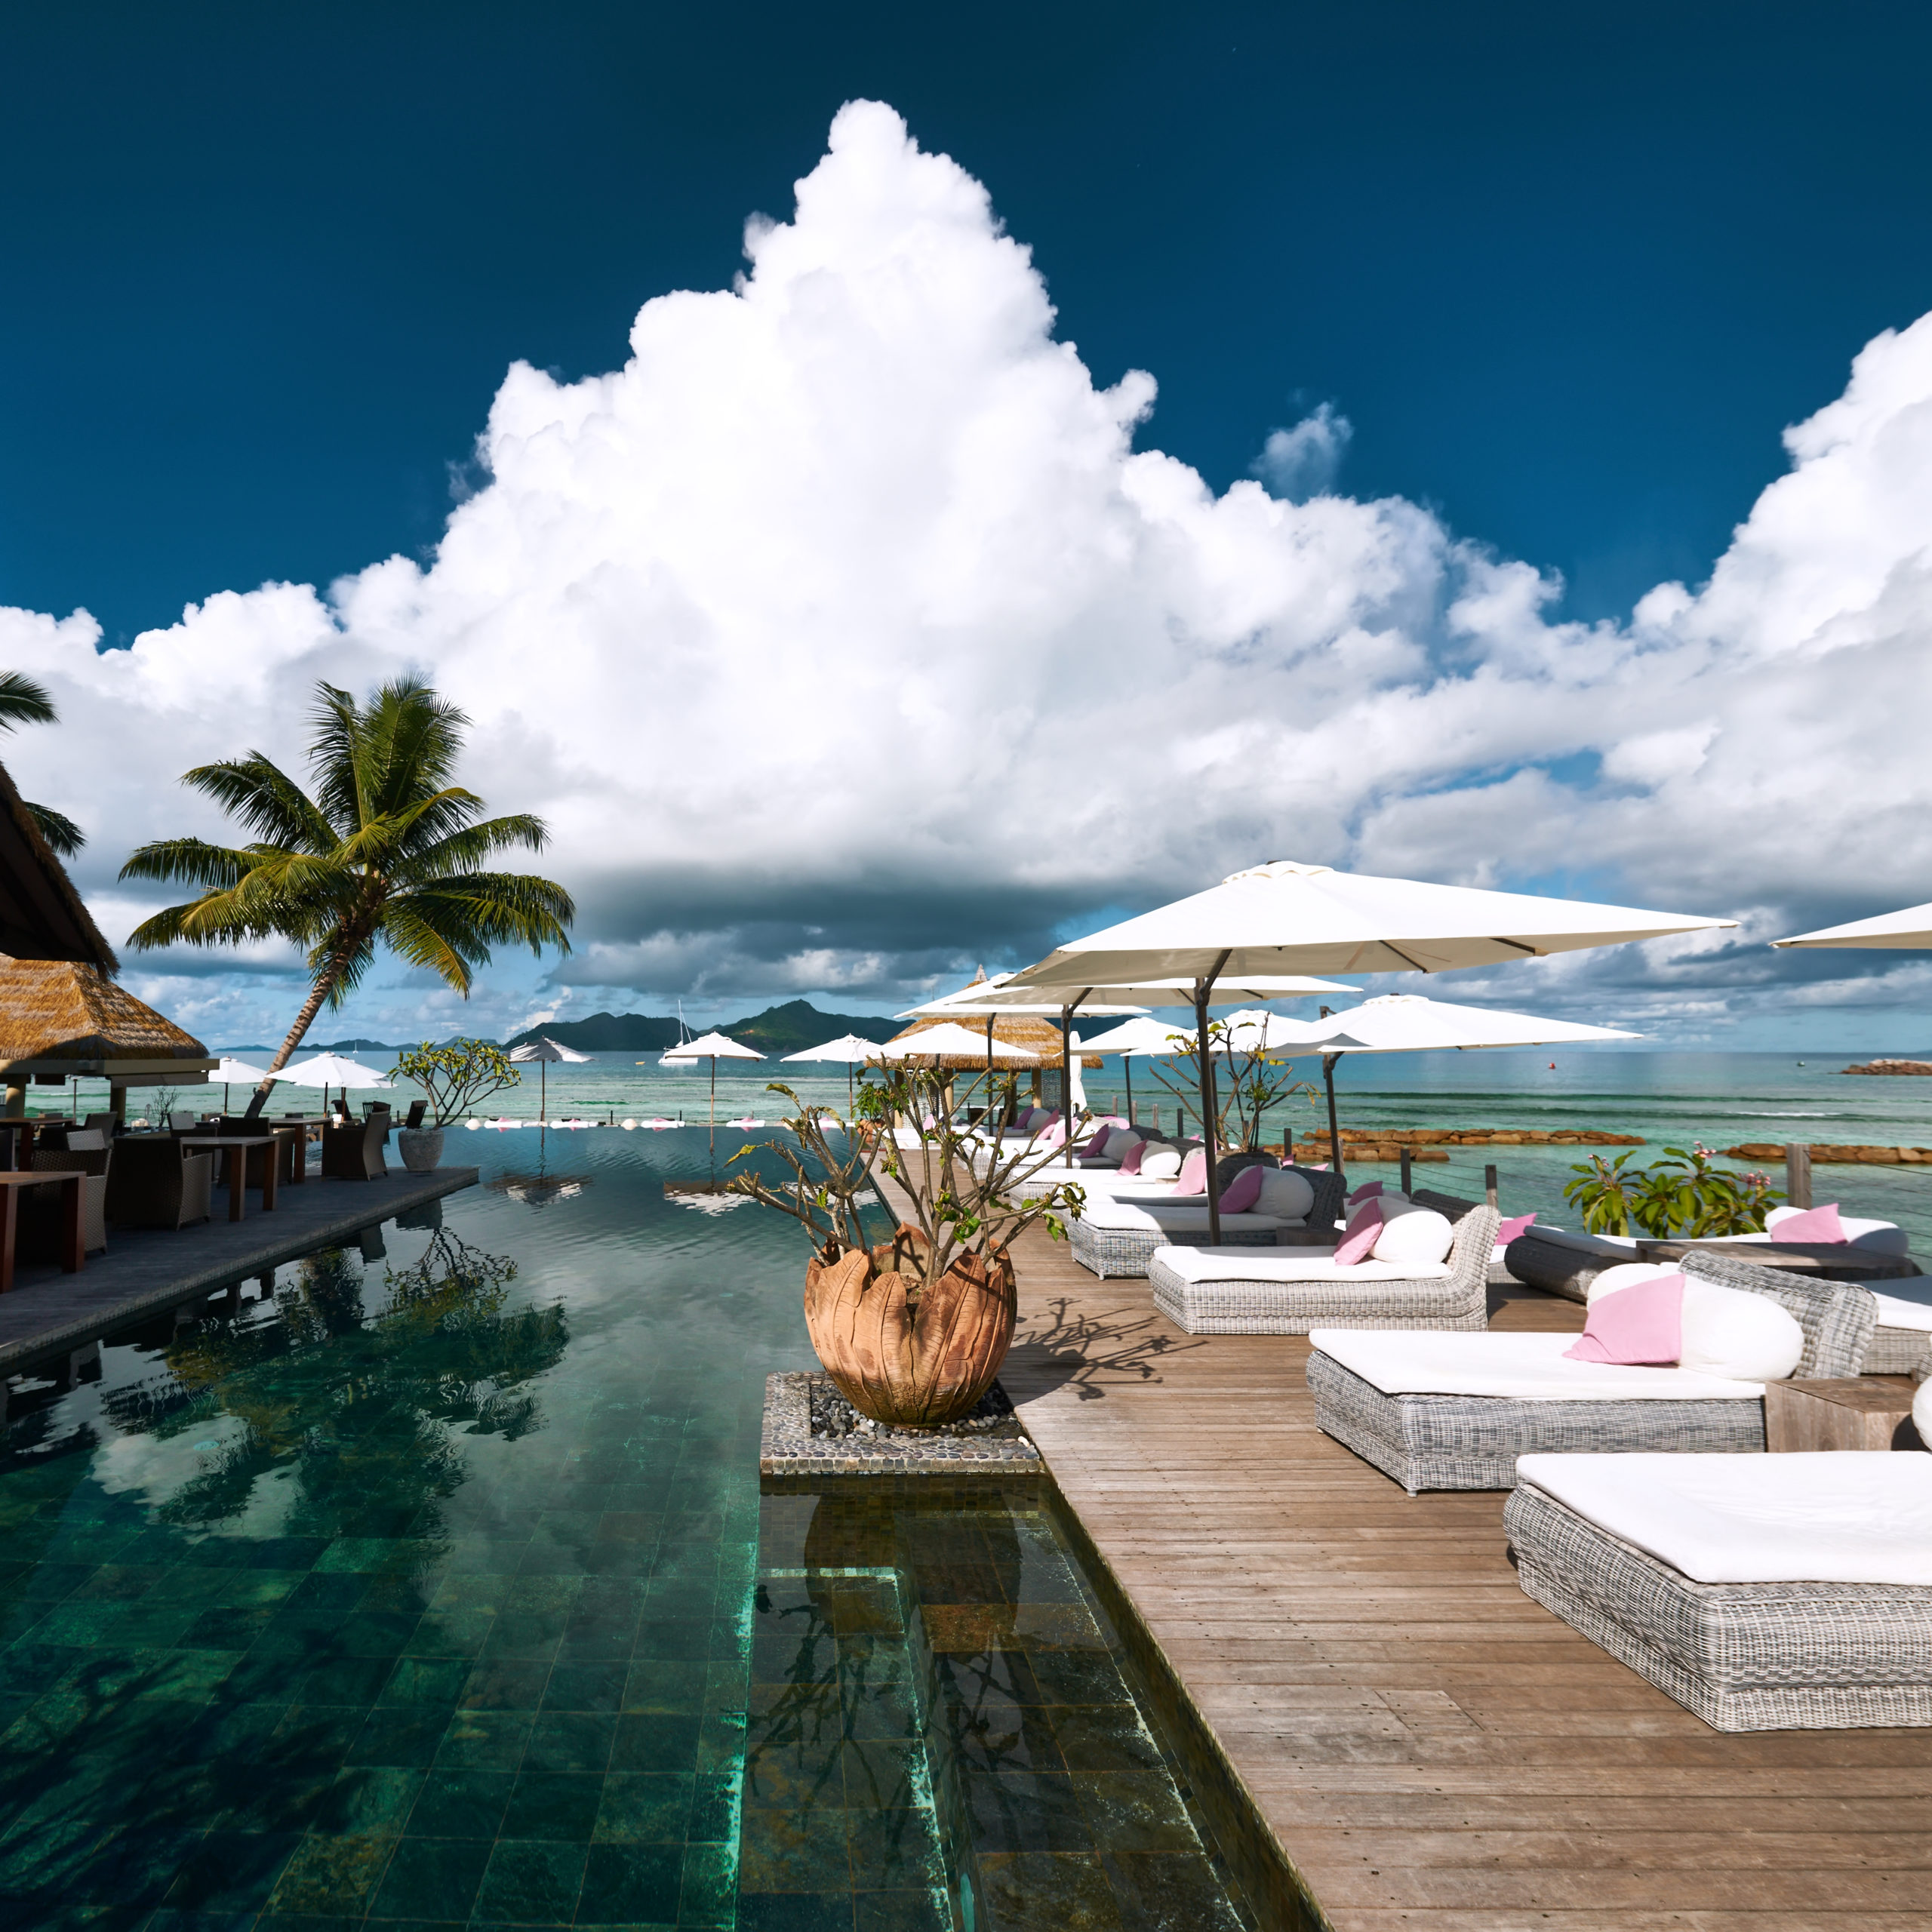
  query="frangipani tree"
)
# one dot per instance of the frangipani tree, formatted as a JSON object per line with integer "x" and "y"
{"x": 388, "y": 852}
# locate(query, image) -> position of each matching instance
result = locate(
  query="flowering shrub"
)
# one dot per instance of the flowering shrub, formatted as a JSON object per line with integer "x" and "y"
{"x": 1681, "y": 1194}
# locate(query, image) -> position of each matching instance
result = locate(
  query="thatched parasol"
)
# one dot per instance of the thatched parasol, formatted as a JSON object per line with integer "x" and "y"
{"x": 1017, "y": 1029}
{"x": 41, "y": 916}
{"x": 59, "y": 1020}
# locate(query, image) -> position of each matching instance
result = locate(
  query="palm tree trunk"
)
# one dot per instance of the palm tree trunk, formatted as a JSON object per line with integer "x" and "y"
{"x": 324, "y": 983}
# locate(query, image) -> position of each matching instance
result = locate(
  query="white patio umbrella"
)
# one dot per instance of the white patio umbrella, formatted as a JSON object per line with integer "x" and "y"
{"x": 1409, "y": 1022}
{"x": 1906, "y": 931}
{"x": 1286, "y": 917}
{"x": 546, "y": 1052}
{"x": 849, "y": 1050}
{"x": 1003, "y": 993}
{"x": 230, "y": 1072}
{"x": 713, "y": 1046}
{"x": 328, "y": 1070}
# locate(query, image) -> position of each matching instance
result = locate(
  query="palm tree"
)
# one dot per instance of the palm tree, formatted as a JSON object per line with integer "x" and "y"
{"x": 387, "y": 850}
{"x": 23, "y": 701}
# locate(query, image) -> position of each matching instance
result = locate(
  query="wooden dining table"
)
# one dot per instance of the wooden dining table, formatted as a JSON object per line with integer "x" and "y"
{"x": 236, "y": 1146}
{"x": 73, "y": 1254}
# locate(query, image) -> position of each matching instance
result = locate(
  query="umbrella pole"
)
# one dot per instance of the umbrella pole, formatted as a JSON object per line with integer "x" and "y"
{"x": 1203, "y": 988}
{"x": 714, "y": 1105}
{"x": 1126, "y": 1064}
{"x": 1334, "y": 1132}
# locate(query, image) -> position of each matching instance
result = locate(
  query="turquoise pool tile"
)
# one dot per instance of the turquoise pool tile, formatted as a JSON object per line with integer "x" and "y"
{"x": 336, "y": 1876}
{"x": 119, "y": 1582}
{"x": 501, "y": 1684}
{"x": 344, "y": 1680}
{"x": 571, "y": 1741}
{"x": 461, "y": 1804}
{"x": 586, "y": 1687}
{"x": 433, "y": 1879}
{"x": 927, "y": 1911}
{"x": 1049, "y": 1891}
{"x": 708, "y": 1884}
{"x": 406, "y": 1735}
{"x": 226, "y": 1626}
{"x": 653, "y": 1807}
{"x": 795, "y": 1911}
{"x": 894, "y": 1850}
{"x": 357, "y": 1555}
{"x": 674, "y": 1639}
{"x": 1136, "y": 1811}
{"x": 882, "y": 1774}
{"x": 715, "y": 1809}
{"x": 365, "y": 1801}
{"x": 658, "y": 1683}
{"x": 425, "y": 1681}
{"x": 721, "y": 1742}
{"x": 530, "y": 1883}
{"x": 561, "y": 1805}
{"x": 1104, "y": 1737}
{"x": 631, "y": 1885}
{"x": 489, "y": 1740}
{"x": 452, "y": 1633}
{"x": 231, "y": 1871}
{"x": 793, "y": 1851}
{"x": 655, "y": 1741}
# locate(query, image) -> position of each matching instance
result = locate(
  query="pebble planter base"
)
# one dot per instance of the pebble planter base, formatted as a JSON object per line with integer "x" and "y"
{"x": 790, "y": 1449}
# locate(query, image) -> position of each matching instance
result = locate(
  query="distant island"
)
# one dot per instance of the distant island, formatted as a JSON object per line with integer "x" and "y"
{"x": 326, "y": 1047}
{"x": 778, "y": 1030}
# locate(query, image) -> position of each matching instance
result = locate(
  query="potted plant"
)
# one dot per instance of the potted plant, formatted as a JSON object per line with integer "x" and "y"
{"x": 911, "y": 1328}
{"x": 454, "y": 1077}
{"x": 1682, "y": 1195}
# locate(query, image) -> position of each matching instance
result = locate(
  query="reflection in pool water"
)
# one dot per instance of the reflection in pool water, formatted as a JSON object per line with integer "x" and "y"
{"x": 429, "y": 1588}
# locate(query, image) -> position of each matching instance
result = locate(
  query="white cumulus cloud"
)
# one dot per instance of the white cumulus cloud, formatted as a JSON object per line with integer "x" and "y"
{"x": 843, "y": 634}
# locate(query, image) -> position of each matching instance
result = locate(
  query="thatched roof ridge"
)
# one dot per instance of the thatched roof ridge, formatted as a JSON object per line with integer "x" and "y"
{"x": 54, "y": 1010}
{"x": 41, "y": 916}
{"x": 1010, "y": 1029}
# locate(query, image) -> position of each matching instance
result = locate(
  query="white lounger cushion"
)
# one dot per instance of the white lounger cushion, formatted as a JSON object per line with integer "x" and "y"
{"x": 1522, "y": 1368}
{"x": 1898, "y": 1311}
{"x": 1882, "y": 1237}
{"x": 1843, "y": 1516}
{"x": 1153, "y": 1216}
{"x": 1297, "y": 1264}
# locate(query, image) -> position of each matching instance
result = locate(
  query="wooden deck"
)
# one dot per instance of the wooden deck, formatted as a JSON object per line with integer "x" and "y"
{"x": 1429, "y": 1747}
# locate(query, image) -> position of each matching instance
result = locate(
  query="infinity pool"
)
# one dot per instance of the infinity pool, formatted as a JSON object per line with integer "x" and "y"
{"x": 429, "y": 1583}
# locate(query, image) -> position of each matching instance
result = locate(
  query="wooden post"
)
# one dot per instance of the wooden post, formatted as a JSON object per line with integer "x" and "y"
{"x": 1489, "y": 1185}
{"x": 1405, "y": 1170}
{"x": 1797, "y": 1174}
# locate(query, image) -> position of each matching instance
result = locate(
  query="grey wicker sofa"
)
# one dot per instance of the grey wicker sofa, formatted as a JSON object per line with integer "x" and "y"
{"x": 1761, "y": 1655}
{"x": 1271, "y": 1298}
{"x": 1444, "y": 1442}
{"x": 1105, "y": 1250}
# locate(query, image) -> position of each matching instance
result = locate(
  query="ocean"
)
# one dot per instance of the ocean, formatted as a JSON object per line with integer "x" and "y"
{"x": 1670, "y": 1099}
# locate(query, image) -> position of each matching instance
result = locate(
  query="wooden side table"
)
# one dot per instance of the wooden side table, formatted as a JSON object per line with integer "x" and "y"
{"x": 1855, "y": 1412}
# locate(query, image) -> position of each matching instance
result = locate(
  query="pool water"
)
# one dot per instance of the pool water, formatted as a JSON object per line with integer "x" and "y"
{"x": 431, "y": 1583}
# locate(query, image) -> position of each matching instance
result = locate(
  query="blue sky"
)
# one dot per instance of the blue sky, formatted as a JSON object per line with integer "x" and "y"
{"x": 1565, "y": 276}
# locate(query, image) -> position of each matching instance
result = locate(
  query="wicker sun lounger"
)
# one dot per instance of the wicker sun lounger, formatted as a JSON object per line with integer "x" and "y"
{"x": 1116, "y": 1250}
{"x": 1293, "y": 1290}
{"x": 1752, "y": 1655}
{"x": 1461, "y": 1442}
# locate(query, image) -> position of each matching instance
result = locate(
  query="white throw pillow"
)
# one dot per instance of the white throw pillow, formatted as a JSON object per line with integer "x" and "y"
{"x": 1921, "y": 1413}
{"x": 1418, "y": 1237}
{"x": 1285, "y": 1195}
{"x": 1163, "y": 1166}
{"x": 1732, "y": 1332}
{"x": 1625, "y": 1275}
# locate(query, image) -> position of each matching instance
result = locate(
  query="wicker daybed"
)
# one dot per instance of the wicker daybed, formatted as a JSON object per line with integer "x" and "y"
{"x": 1120, "y": 1234}
{"x": 1438, "y": 1440}
{"x": 1290, "y": 1291}
{"x": 1771, "y": 1593}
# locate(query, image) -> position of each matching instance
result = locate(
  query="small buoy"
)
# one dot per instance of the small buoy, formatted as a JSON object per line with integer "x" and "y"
{"x": 472, "y": 1124}
{"x": 630, "y": 1126}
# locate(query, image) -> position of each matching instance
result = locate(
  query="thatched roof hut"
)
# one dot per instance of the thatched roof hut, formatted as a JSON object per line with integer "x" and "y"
{"x": 59, "y": 1019}
{"x": 41, "y": 916}
{"x": 1036, "y": 1036}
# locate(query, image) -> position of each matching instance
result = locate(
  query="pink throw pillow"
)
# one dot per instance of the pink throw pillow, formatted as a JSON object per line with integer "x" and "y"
{"x": 1359, "y": 1238}
{"x": 1193, "y": 1174}
{"x": 1053, "y": 1136}
{"x": 1516, "y": 1225}
{"x": 1098, "y": 1145}
{"x": 1640, "y": 1326}
{"x": 1130, "y": 1161}
{"x": 1369, "y": 1190}
{"x": 1819, "y": 1224}
{"x": 1243, "y": 1192}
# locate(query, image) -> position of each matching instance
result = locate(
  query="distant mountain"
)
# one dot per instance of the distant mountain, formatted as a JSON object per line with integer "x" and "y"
{"x": 778, "y": 1030}
{"x": 325, "y": 1046}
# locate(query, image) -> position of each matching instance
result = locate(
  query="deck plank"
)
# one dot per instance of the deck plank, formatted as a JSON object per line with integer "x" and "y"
{"x": 1427, "y": 1744}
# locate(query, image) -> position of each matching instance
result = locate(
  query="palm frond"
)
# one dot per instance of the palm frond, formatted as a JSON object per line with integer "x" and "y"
{"x": 57, "y": 828}
{"x": 499, "y": 908}
{"x": 190, "y": 862}
{"x": 25, "y": 700}
{"x": 267, "y": 799}
{"x": 465, "y": 850}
